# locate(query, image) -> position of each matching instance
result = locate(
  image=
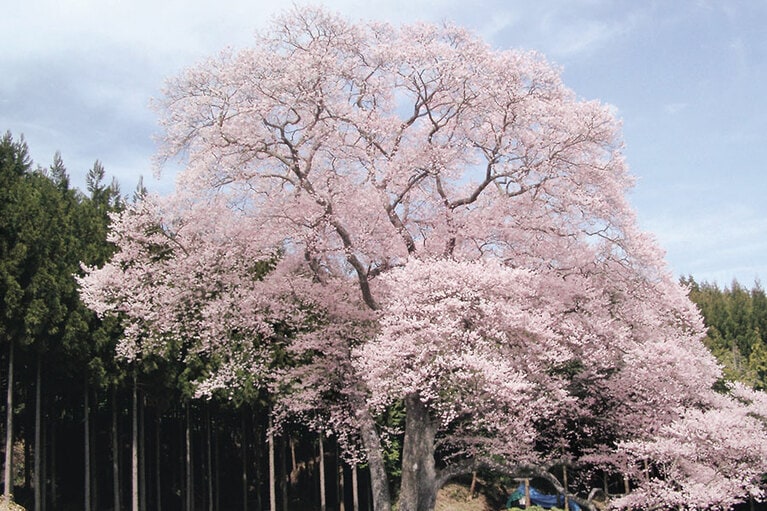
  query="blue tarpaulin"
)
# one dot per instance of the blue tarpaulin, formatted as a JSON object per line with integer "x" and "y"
{"x": 540, "y": 499}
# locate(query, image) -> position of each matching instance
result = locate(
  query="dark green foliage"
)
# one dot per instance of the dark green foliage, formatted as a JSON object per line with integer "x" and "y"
{"x": 736, "y": 318}
{"x": 47, "y": 232}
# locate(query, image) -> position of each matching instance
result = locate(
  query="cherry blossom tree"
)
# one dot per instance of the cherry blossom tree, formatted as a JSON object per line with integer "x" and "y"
{"x": 706, "y": 458}
{"x": 405, "y": 214}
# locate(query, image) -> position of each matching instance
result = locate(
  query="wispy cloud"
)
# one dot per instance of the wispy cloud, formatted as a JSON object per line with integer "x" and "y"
{"x": 579, "y": 37}
{"x": 675, "y": 108}
{"x": 719, "y": 244}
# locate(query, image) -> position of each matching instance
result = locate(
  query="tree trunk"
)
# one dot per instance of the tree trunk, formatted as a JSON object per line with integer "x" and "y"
{"x": 209, "y": 456}
{"x": 419, "y": 476}
{"x": 7, "y": 482}
{"x": 92, "y": 450}
{"x": 323, "y": 496}
{"x": 283, "y": 472}
{"x": 115, "y": 454}
{"x": 28, "y": 430}
{"x": 87, "y": 442}
{"x": 157, "y": 466}
{"x": 293, "y": 462}
{"x": 134, "y": 446}
{"x": 142, "y": 453}
{"x": 217, "y": 468}
{"x": 44, "y": 462}
{"x": 38, "y": 436}
{"x": 527, "y": 493}
{"x": 379, "y": 482}
{"x": 355, "y": 489}
{"x": 340, "y": 474}
{"x": 188, "y": 454}
{"x": 54, "y": 468}
{"x": 272, "y": 482}
{"x": 244, "y": 448}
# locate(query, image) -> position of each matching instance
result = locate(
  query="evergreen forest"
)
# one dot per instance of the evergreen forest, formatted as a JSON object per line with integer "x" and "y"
{"x": 84, "y": 430}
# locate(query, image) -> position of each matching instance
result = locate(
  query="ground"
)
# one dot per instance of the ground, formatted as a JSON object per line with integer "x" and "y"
{"x": 12, "y": 507}
{"x": 456, "y": 497}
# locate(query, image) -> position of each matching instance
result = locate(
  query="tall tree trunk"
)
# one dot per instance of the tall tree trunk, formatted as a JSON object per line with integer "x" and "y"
{"x": 527, "y": 493}
{"x": 355, "y": 489}
{"x": 379, "y": 481}
{"x": 87, "y": 442}
{"x": 257, "y": 443}
{"x": 29, "y": 441}
{"x": 157, "y": 467}
{"x": 272, "y": 482}
{"x": 44, "y": 453}
{"x": 419, "y": 476}
{"x": 244, "y": 456}
{"x": 565, "y": 484}
{"x": 188, "y": 454}
{"x": 134, "y": 446}
{"x": 142, "y": 453}
{"x": 7, "y": 482}
{"x": 340, "y": 481}
{"x": 283, "y": 471}
{"x": 217, "y": 468}
{"x": 38, "y": 434}
{"x": 293, "y": 462}
{"x": 323, "y": 496}
{"x": 115, "y": 454}
{"x": 54, "y": 468}
{"x": 209, "y": 456}
{"x": 92, "y": 450}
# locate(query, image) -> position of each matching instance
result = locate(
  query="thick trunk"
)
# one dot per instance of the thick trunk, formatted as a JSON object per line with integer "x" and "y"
{"x": 419, "y": 476}
{"x": 7, "y": 488}
{"x": 379, "y": 482}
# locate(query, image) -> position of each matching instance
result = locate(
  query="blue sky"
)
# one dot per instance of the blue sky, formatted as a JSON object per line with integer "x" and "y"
{"x": 687, "y": 77}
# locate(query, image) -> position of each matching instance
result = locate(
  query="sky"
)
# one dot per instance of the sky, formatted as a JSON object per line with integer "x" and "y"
{"x": 686, "y": 77}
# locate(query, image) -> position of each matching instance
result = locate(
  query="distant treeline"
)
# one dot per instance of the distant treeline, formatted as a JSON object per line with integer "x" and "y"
{"x": 736, "y": 318}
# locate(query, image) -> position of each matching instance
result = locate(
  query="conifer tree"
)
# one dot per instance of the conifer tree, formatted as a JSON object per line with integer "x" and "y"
{"x": 14, "y": 164}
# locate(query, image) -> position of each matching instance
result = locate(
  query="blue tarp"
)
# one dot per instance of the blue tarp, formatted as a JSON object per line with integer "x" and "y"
{"x": 540, "y": 499}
